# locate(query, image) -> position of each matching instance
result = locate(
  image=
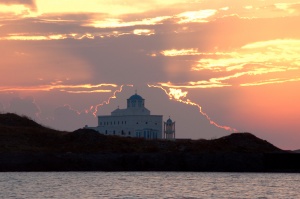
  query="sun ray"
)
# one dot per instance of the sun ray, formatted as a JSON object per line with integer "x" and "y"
{"x": 180, "y": 96}
{"x": 95, "y": 108}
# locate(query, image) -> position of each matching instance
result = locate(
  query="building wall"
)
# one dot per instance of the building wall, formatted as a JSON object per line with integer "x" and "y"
{"x": 148, "y": 126}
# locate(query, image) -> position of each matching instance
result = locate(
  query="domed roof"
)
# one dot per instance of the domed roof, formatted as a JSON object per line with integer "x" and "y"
{"x": 135, "y": 97}
{"x": 169, "y": 121}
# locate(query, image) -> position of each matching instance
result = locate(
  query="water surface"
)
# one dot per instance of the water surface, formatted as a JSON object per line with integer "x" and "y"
{"x": 148, "y": 185}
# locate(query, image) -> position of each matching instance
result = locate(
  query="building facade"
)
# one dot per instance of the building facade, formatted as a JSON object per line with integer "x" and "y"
{"x": 134, "y": 121}
{"x": 169, "y": 130}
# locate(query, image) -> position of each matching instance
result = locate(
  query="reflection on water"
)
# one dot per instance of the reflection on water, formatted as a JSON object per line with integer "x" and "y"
{"x": 148, "y": 185}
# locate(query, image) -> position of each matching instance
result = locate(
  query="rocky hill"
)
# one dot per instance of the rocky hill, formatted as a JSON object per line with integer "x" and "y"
{"x": 28, "y": 146}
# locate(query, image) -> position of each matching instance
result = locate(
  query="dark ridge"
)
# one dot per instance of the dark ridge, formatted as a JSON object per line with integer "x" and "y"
{"x": 28, "y": 146}
{"x": 235, "y": 142}
{"x": 12, "y": 119}
{"x": 20, "y": 133}
{"x": 246, "y": 142}
{"x": 86, "y": 140}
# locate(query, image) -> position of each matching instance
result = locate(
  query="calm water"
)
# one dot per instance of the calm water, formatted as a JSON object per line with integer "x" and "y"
{"x": 148, "y": 185}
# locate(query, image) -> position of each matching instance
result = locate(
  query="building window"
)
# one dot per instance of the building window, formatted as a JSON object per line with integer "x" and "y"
{"x": 106, "y": 132}
{"x": 100, "y": 123}
{"x": 114, "y": 122}
{"x": 118, "y": 122}
{"x": 129, "y": 133}
{"x": 146, "y": 122}
{"x": 137, "y": 123}
{"x": 125, "y": 122}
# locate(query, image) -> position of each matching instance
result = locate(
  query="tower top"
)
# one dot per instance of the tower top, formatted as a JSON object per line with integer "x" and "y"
{"x": 169, "y": 121}
{"x": 135, "y": 97}
{"x": 135, "y": 101}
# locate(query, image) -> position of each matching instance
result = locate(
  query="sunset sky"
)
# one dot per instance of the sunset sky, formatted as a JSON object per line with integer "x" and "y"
{"x": 214, "y": 66}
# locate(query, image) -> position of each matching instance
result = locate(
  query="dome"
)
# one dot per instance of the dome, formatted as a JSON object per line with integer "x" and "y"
{"x": 135, "y": 97}
{"x": 169, "y": 121}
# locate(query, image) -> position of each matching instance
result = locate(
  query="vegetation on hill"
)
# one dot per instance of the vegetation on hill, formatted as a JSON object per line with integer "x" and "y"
{"x": 28, "y": 146}
{"x": 20, "y": 134}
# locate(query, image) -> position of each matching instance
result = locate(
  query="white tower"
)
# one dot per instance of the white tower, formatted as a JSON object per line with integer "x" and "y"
{"x": 169, "y": 129}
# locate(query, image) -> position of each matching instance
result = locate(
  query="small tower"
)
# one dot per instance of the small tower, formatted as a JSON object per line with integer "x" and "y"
{"x": 169, "y": 129}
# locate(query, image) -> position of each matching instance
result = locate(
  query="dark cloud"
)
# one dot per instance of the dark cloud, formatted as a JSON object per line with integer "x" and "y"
{"x": 28, "y": 3}
{"x": 67, "y": 118}
{"x": 1, "y": 108}
{"x": 24, "y": 106}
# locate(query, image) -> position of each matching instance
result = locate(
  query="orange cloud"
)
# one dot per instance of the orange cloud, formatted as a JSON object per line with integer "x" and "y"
{"x": 180, "y": 52}
{"x": 195, "y": 16}
{"x": 181, "y": 96}
{"x": 27, "y": 3}
{"x": 272, "y": 81}
{"x": 96, "y": 107}
{"x": 259, "y": 58}
{"x": 143, "y": 32}
{"x": 81, "y": 88}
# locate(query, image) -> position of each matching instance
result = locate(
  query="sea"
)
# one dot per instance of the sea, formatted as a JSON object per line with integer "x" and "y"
{"x": 136, "y": 185}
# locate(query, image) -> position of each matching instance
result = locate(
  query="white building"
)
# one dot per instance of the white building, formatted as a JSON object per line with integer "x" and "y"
{"x": 134, "y": 121}
{"x": 169, "y": 130}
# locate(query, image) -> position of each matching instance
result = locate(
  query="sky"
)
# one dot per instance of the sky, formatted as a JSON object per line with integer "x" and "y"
{"x": 214, "y": 66}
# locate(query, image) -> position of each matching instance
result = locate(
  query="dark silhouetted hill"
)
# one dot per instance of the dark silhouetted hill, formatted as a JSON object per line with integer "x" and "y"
{"x": 21, "y": 134}
{"x": 14, "y": 120}
{"x": 297, "y": 151}
{"x": 28, "y": 146}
